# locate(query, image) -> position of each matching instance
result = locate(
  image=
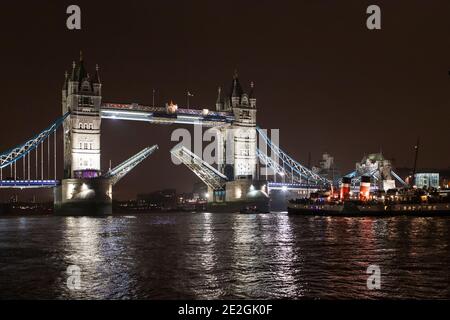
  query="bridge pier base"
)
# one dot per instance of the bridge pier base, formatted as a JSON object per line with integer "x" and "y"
{"x": 240, "y": 194}
{"x": 83, "y": 197}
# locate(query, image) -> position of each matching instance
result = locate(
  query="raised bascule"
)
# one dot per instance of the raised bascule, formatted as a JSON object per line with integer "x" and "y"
{"x": 246, "y": 174}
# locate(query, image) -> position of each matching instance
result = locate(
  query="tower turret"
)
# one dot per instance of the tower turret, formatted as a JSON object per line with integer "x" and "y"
{"x": 236, "y": 91}
{"x": 219, "y": 102}
{"x": 252, "y": 96}
{"x": 73, "y": 84}
{"x": 65, "y": 85}
{"x": 80, "y": 72}
{"x": 97, "y": 84}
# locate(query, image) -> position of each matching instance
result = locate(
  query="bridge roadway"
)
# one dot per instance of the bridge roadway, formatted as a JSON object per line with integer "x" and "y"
{"x": 161, "y": 115}
{"x": 27, "y": 184}
{"x": 290, "y": 170}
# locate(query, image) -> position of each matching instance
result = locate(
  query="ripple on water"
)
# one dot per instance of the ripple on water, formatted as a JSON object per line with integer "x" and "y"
{"x": 213, "y": 256}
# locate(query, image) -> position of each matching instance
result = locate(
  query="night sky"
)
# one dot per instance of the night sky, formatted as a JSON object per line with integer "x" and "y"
{"x": 321, "y": 76}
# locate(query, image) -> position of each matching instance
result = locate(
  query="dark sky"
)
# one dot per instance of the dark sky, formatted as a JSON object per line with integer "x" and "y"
{"x": 321, "y": 76}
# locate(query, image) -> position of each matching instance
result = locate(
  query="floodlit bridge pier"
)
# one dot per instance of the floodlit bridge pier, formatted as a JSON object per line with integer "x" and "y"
{"x": 243, "y": 176}
{"x": 88, "y": 193}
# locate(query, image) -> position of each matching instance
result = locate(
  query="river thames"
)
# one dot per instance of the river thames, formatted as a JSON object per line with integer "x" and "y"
{"x": 223, "y": 256}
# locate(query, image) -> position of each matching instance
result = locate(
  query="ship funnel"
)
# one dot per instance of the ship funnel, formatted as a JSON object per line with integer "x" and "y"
{"x": 345, "y": 188}
{"x": 364, "y": 189}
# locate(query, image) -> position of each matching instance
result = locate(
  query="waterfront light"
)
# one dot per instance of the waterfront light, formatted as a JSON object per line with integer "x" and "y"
{"x": 238, "y": 193}
{"x": 284, "y": 188}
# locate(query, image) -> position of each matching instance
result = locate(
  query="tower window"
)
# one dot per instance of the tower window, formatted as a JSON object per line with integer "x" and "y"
{"x": 245, "y": 114}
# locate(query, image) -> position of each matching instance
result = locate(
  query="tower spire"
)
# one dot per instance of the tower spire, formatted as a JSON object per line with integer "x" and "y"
{"x": 219, "y": 101}
{"x": 252, "y": 96}
{"x": 97, "y": 75}
{"x": 236, "y": 91}
{"x": 81, "y": 71}
{"x": 252, "y": 90}
{"x": 66, "y": 80}
{"x": 72, "y": 76}
{"x": 219, "y": 94}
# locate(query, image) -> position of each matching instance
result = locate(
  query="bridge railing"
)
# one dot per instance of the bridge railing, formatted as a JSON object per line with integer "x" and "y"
{"x": 21, "y": 184}
{"x": 140, "y": 107}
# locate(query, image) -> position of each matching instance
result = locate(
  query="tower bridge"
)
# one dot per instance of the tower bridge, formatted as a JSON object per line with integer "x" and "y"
{"x": 246, "y": 175}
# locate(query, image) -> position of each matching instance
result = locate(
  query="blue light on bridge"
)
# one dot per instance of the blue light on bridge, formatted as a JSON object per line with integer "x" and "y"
{"x": 291, "y": 186}
{"x": 23, "y": 184}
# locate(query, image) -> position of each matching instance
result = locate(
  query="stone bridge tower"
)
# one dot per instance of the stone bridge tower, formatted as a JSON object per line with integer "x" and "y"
{"x": 238, "y": 149}
{"x": 82, "y": 98}
{"x": 82, "y": 191}
{"x": 242, "y": 134}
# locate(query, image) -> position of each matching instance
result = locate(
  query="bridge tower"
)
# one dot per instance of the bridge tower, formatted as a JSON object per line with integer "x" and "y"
{"x": 242, "y": 133}
{"x": 81, "y": 97}
{"x": 239, "y": 145}
{"x": 82, "y": 189}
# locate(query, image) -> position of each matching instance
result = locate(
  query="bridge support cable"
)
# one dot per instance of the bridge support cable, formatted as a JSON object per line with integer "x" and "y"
{"x": 54, "y": 145}
{"x": 20, "y": 151}
{"x": 21, "y": 156}
{"x": 42, "y": 160}
{"x": 48, "y": 157}
{"x": 29, "y": 166}
{"x": 36, "y": 168}
{"x": 374, "y": 174}
{"x": 295, "y": 168}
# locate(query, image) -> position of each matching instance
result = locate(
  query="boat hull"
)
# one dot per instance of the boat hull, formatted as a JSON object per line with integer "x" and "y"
{"x": 347, "y": 210}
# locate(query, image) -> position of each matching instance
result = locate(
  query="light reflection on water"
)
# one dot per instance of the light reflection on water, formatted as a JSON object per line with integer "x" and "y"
{"x": 213, "y": 256}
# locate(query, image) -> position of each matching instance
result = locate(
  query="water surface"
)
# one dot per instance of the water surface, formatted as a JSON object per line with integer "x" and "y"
{"x": 223, "y": 256}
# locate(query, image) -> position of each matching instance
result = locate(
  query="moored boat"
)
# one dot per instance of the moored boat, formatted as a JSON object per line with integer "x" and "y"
{"x": 356, "y": 208}
{"x": 394, "y": 202}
